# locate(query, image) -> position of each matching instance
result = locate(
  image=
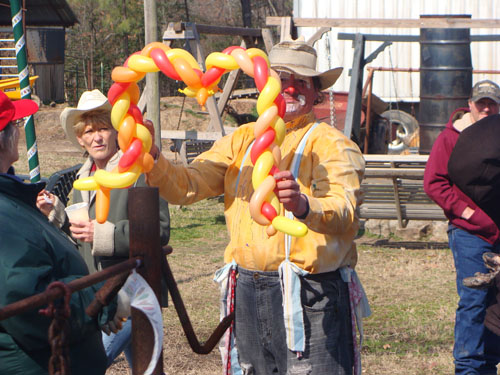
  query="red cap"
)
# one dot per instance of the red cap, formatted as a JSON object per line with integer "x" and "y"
{"x": 14, "y": 110}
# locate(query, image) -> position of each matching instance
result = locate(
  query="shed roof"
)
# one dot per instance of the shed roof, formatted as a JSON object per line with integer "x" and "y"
{"x": 41, "y": 13}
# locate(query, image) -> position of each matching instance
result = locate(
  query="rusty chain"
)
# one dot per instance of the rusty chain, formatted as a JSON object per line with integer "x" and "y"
{"x": 59, "y": 331}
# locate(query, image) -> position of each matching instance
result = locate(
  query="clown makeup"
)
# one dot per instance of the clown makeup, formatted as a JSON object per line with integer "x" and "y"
{"x": 299, "y": 94}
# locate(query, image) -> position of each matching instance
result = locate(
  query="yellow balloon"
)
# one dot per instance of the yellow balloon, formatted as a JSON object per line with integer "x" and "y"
{"x": 221, "y": 60}
{"x": 119, "y": 110}
{"x": 292, "y": 227}
{"x": 280, "y": 129}
{"x": 261, "y": 169}
{"x": 252, "y": 52}
{"x": 269, "y": 93}
{"x": 86, "y": 183}
{"x": 145, "y": 136}
{"x": 274, "y": 201}
{"x": 117, "y": 180}
{"x": 177, "y": 52}
{"x": 189, "y": 92}
{"x": 141, "y": 63}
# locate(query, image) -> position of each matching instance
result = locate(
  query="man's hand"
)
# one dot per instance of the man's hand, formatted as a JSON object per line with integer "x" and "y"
{"x": 121, "y": 315}
{"x": 468, "y": 212}
{"x": 154, "y": 149}
{"x": 288, "y": 192}
{"x": 45, "y": 202}
{"x": 82, "y": 230}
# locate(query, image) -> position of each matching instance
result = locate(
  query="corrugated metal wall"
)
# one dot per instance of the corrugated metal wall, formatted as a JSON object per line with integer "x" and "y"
{"x": 389, "y": 85}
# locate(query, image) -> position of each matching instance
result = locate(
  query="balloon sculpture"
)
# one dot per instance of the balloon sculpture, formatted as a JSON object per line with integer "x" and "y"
{"x": 135, "y": 141}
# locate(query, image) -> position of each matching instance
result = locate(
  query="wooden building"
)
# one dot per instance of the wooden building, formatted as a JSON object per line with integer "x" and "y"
{"x": 45, "y": 26}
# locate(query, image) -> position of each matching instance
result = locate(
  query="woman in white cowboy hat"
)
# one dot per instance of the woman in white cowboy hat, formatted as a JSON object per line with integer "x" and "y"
{"x": 89, "y": 128}
{"x": 323, "y": 192}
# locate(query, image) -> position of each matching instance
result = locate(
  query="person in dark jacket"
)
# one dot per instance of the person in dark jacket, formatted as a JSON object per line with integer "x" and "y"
{"x": 89, "y": 128}
{"x": 471, "y": 233}
{"x": 33, "y": 254}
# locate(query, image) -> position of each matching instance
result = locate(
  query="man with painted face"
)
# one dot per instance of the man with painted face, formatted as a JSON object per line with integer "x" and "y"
{"x": 323, "y": 192}
{"x": 471, "y": 232}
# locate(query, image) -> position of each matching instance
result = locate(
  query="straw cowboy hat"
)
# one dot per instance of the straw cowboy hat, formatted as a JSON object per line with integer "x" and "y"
{"x": 297, "y": 57}
{"x": 89, "y": 101}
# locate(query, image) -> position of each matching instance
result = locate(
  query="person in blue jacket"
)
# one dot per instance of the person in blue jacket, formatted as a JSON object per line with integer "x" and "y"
{"x": 33, "y": 254}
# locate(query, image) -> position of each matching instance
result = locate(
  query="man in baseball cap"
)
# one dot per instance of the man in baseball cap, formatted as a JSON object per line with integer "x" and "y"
{"x": 485, "y": 100}
{"x": 14, "y": 110}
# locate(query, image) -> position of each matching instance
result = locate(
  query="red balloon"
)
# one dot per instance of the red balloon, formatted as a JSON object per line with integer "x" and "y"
{"x": 260, "y": 72}
{"x": 199, "y": 72}
{"x": 268, "y": 211}
{"x": 274, "y": 170}
{"x": 136, "y": 113}
{"x": 261, "y": 144}
{"x": 116, "y": 90}
{"x": 130, "y": 155}
{"x": 212, "y": 75}
{"x": 161, "y": 60}
{"x": 280, "y": 102}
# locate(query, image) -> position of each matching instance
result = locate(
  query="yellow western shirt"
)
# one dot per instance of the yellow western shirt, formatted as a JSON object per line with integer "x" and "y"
{"x": 330, "y": 174}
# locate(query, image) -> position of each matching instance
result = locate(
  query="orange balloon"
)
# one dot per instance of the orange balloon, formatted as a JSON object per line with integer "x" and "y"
{"x": 102, "y": 204}
{"x": 127, "y": 132}
{"x": 147, "y": 162}
{"x": 187, "y": 73}
{"x": 134, "y": 92}
{"x": 146, "y": 51}
{"x": 123, "y": 74}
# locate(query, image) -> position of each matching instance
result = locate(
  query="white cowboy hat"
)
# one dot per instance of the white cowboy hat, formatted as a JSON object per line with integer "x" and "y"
{"x": 296, "y": 56}
{"x": 89, "y": 101}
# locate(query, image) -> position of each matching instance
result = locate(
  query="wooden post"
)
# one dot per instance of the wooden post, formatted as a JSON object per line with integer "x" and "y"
{"x": 144, "y": 227}
{"x": 152, "y": 79}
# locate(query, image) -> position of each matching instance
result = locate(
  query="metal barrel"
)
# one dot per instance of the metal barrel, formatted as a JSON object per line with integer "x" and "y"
{"x": 445, "y": 79}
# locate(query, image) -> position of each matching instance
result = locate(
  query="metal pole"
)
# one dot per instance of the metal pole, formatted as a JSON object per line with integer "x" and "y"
{"x": 45, "y": 297}
{"x": 144, "y": 228}
{"x": 24, "y": 84}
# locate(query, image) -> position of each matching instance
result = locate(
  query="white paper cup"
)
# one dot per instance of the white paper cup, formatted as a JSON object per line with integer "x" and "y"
{"x": 78, "y": 212}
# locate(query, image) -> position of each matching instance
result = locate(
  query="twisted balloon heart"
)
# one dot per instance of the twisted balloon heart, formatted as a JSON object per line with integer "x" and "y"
{"x": 135, "y": 140}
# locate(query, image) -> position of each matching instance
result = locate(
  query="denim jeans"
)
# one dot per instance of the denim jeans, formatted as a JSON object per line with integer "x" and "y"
{"x": 476, "y": 349}
{"x": 119, "y": 342}
{"x": 260, "y": 330}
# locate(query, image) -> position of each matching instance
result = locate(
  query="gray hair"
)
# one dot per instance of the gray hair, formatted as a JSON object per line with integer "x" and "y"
{"x": 7, "y": 139}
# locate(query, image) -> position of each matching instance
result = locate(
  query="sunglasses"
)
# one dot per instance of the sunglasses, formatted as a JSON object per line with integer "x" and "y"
{"x": 19, "y": 123}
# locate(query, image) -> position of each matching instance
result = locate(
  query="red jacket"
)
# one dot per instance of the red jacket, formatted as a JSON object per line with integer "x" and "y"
{"x": 448, "y": 196}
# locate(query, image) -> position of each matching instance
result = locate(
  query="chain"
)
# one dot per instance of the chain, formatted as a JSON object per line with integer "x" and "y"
{"x": 331, "y": 95}
{"x": 59, "y": 331}
{"x": 333, "y": 112}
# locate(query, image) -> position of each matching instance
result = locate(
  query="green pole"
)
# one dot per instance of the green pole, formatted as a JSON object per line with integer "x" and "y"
{"x": 24, "y": 82}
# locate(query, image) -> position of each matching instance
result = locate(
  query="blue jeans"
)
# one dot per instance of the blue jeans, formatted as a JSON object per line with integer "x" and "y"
{"x": 260, "y": 330}
{"x": 477, "y": 349}
{"x": 119, "y": 342}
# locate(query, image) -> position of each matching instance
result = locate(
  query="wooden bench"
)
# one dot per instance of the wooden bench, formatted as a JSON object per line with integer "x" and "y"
{"x": 393, "y": 189}
{"x": 190, "y": 143}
